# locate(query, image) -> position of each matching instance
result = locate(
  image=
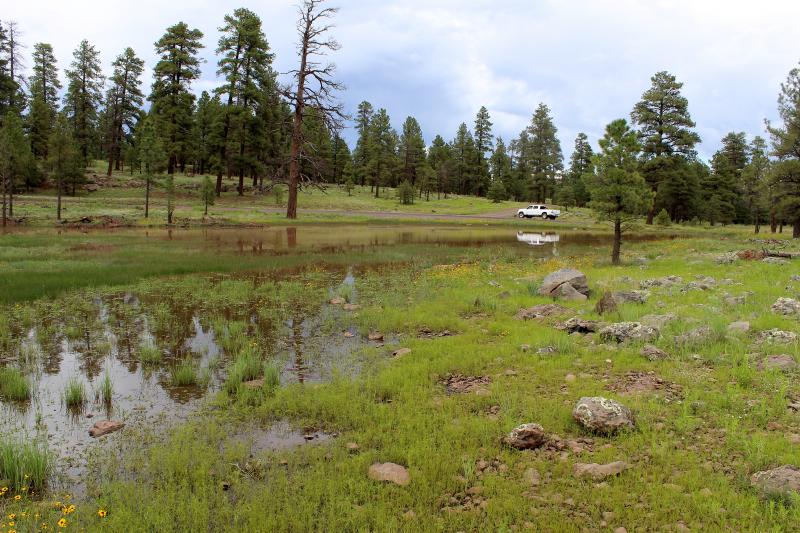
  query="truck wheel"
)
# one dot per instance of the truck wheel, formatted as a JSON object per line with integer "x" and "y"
{"x": 552, "y": 218}
{"x": 521, "y": 215}
{"x": 545, "y": 216}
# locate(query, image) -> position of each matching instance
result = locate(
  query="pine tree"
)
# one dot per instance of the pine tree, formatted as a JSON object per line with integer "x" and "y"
{"x": 83, "y": 98}
{"x": 665, "y": 132}
{"x": 412, "y": 150}
{"x": 484, "y": 141}
{"x": 340, "y": 158}
{"x": 382, "y": 148}
{"x": 754, "y": 181}
{"x": 361, "y": 155}
{"x": 15, "y": 159}
{"x": 246, "y": 65}
{"x": 580, "y": 163}
{"x": 440, "y": 159}
{"x": 12, "y": 98}
{"x": 464, "y": 159}
{"x": 44, "y": 87}
{"x": 123, "y": 102}
{"x": 619, "y": 194}
{"x": 785, "y": 175}
{"x": 152, "y": 156}
{"x": 64, "y": 159}
{"x": 720, "y": 190}
{"x": 501, "y": 170}
{"x": 207, "y": 193}
{"x": 543, "y": 157}
{"x": 203, "y": 135}
{"x": 173, "y": 101}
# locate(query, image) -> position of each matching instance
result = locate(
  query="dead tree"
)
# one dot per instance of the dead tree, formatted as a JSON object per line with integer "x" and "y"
{"x": 314, "y": 88}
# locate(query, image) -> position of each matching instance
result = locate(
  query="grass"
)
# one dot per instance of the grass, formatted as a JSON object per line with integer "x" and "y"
{"x": 149, "y": 354}
{"x": 24, "y": 465}
{"x": 691, "y": 455}
{"x": 106, "y": 389}
{"x": 14, "y": 385}
{"x": 184, "y": 374}
{"x": 74, "y": 393}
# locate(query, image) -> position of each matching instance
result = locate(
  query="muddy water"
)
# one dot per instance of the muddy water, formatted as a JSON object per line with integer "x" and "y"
{"x": 306, "y": 349}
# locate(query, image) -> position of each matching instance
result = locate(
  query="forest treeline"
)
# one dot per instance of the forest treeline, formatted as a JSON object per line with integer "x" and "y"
{"x": 253, "y": 128}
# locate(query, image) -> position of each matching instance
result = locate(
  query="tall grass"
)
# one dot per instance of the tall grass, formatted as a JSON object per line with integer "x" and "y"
{"x": 14, "y": 385}
{"x": 74, "y": 393}
{"x": 149, "y": 354}
{"x": 106, "y": 389}
{"x": 246, "y": 367}
{"x": 184, "y": 374}
{"x": 24, "y": 464}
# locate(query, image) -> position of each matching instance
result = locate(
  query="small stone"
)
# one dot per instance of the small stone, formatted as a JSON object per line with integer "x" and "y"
{"x": 739, "y": 327}
{"x": 352, "y": 447}
{"x": 546, "y": 350}
{"x": 599, "y": 472}
{"x": 338, "y": 301}
{"x": 409, "y": 515}
{"x": 351, "y": 307}
{"x": 620, "y": 530}
{"x": 349, "y": 334}
{"x": 389, "y": 472}
{"x": 602, "y": 415}
{"x": 104, "y": 427}
{"x": 526, "y": 437}
{"x": 570, "y": 378}
{"x": 375, "y": 336}
{"x": 401, "y": 352}
{"x": 653, "y": 353}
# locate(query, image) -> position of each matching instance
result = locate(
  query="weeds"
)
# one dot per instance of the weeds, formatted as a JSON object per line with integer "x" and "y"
{"x": 74, "y": 393}
{"x": 184, "y": 374}
{"x": 24, "y": 465}
{"x": 14, "y": 385}
{"x": 149, "y": 354}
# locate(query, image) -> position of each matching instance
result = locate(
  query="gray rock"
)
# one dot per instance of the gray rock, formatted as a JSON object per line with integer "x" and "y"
{"x": 628, "y": 331}
{"x": 623, "y": 297}
{"x": 741, "y": 326}
{"x": 774, "y": 261}
{"x": 657, "y": 321}
{"x": 776, "y": 336}
{"x": 786, "y": 306}
{"x": 654, "y": 354}
{"x": 541, "y": 311}
{"x": 667, "y": 281}
{"x": 547, "y": 350}
{"x": 602, "y": 415}
{"x": 390, "y": 472}
{"x": 782, "y": 362}
{"x": 606, "y": 304}
{"x": 580, "y": 325}
{"x": 599, "y": 472}
{"x": 733, "y": 301}
{"x": 555, "y": 280}
{"x": 568, "y": 293}
{"x": 526, "y": 437}
{"x": 779, "y": 482}
{"x": 694, "y": 336}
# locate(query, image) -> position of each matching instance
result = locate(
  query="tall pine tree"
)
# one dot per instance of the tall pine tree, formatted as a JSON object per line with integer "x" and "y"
{"x": 123, "y": 103}
{"x": 83, "y": 98}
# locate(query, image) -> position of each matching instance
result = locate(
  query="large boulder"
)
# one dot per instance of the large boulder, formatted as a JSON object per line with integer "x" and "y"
{"x": 654, "y": 353}
{"x": 628, "y": 331}
{"x": 389, "y": 472}
{"x": 786, "y": 306}
{"x": 602, "y": 415}
{"x": 526, "y": 437}
{"x": 783, "y": 362}
{"x": 551, "y": 285}
{"x": 569, "y": 293}
{"x": 778, "y": 482}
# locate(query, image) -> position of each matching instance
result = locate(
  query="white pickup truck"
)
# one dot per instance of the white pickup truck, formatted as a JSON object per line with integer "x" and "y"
{"x": 540, "y": 211}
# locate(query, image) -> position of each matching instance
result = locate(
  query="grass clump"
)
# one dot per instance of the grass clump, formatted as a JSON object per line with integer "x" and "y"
{"x": 246, "y": 367}
{"x": 106, "y": 389}
{"x": 184, "y": 374}
{"x": 24, "y": 464}
{"x": 74, "y": 393}
{"x": 149, "y": 354}
{"x": 272, "y": 377}
{"x": 14, "y": 385}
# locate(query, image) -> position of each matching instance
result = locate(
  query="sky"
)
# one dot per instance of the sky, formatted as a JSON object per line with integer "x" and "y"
{"x": 441, "y": 60}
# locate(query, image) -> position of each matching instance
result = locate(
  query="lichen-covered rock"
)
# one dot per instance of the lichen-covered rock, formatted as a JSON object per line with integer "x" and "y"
{"x": 628, "y": 331}
{"x": 657, "y": 321}
{"x": 778, "y": 482}
{"x": 526, "y": 437}
{"x": 654, "y": 354}
{"x": 577, "y": 324}
{"x": 776, "y": 336}
{"x": 553, "y": 282}
{"x": 602, "y": 415}
{"x": 694, "y": 336}
{"x": 638, "y": 297}
{"x": 667, "y": 281}
{"x": 606, "y": 304}
{"x": 786, "y": 306}
{"x": 782, "y": 362}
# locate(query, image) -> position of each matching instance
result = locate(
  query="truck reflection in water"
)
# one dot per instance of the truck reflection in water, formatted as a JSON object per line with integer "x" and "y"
{"x": 539, "y": 239}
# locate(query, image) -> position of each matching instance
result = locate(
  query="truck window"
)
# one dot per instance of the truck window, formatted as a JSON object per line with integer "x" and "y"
{"x": 544, "y": 207}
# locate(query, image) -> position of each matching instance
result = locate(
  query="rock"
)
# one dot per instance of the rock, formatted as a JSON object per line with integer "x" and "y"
{"x": 375, "y": 336}
{"x": 694, "y": 336}
{"x": 778, "y": 482}
{"x": 653, "y": 353}
{"x": 569, "y": 293}
{"x": 624, "y": 297}
{"x": 349, "y": 334}
{"x": 575, "y": 278}
{"x": 606, "y": 304}
{"x": 570, "y": 378}
{"x": 493, "y": 283}
{"x": 778, "y": 362}
{"x": 667, "y": 281}
{"x": 104, "y": 427}
{"x": 389, "y": 472}
{"x": 580, "y": 325}
{"x": 547, "y": 350}
{"x": 525, "y": 347}
{"x": 526, "y": 437}
{"x": 774, "y": 261}
{"x": 338, "y": 301}
{"x": 657, "y": 321}
{"x": 786, "y": 306}
{"x": 541, "y": 311}
{"x": 739, "y": 327}
{"x": 254, "y": 383}
{"x": 628, "y": 331}
{"x": 620, "y": 530}
{"x": 352, "y": 447}
{"x": 400, "y": 352}
{"x": 776, "y": 336}
{"x": 532, "y": 477}
{"x": 733, "y": 301}
{"x": 351, "y": 307}
{"x": 602, "y": 415}
{"x": 599, "y": 472}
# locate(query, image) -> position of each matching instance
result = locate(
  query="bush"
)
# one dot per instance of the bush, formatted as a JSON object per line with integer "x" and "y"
{"x": 663, "y": 219}
{"x": 497, "y": 192}
{"x": 277, "y": 191}
{"x": 406, "y": 193}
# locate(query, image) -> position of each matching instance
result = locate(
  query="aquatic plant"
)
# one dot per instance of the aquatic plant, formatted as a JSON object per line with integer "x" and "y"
{"x": 184, "y": 374}
{"x": 24, "y": 465}
{"x": 74, "y": 393}
{"x": 14, "y": 385}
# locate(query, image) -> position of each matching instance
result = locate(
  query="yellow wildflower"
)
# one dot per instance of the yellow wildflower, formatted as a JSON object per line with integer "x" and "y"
{"x": 12, "y": 516}
{"x": 62, "y": 522}
{"x": 18, "y": 497}
{"x": 102, "y": 513}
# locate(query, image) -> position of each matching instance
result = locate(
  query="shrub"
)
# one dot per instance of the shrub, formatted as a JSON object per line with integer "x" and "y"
{"x": 277, "y": 191}
{"x": 663, "y": 219}
{"x": 14, "y": 385}
{"x": 405, "y": 192}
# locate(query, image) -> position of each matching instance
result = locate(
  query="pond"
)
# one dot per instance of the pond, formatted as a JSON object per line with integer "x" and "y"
{"x": 98, "y": 337}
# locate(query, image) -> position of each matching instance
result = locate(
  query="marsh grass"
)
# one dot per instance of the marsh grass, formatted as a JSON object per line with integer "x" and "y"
{"x": 149, "y": 354}
{"x": 74, "y": 393}
{"x": 184, "y": 374}
{"x": 246, "y": 367}
{"x": 24, "y": 464}
{"x": 106, "y": 389}
{"x": 272, "y": 377}
{"x": 14, "y": 385}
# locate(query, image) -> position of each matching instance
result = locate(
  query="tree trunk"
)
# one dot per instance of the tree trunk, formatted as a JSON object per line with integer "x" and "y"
{"x": 4, "y": 204}
{"x": 650, "y": 214}
{"x": 241, "y": 182}
{"x": 796, "y": 229}
{"x": 147, "y": 198}
{"x": 58, "y": 201}
{"x": 297, "y": 133}
{"x": 617, "y": 241}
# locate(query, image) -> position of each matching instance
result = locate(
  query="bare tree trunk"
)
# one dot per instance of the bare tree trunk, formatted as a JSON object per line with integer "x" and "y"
{"x": 297, "y": 132}
{"x": 59, "y": 187}
{"x": 4, "y": 204}
{"x": 617, "y": 241}
{"x": 796, "y": 229}
{"x": 147, "y": 197}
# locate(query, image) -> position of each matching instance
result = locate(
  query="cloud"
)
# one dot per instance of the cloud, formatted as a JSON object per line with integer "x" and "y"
{"x": 440, "y": 60}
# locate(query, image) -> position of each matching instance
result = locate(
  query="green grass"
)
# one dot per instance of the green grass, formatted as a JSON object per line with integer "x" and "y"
{"x": 74, "y": 393}
{"x": 14, "y": 385}
{"x": 272, "y": 377}
{"x": 149, "y": 354}
{"x": 106, "y": 389}
{"x": 24, "y": 465}
{"x": 184, "y": 374}
{"x": 246, "y": 367}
